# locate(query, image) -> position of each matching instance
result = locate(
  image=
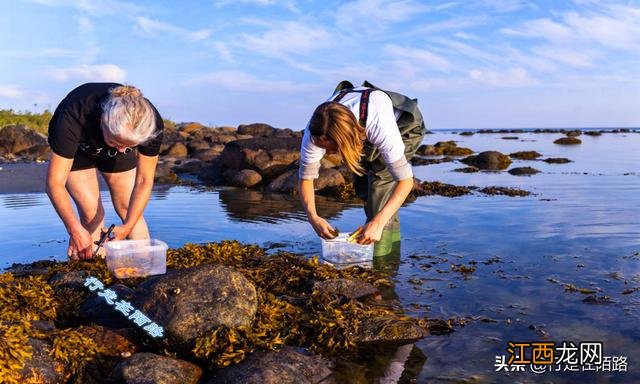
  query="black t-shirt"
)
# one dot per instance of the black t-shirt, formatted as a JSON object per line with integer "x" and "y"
{"x": 77, "y": 120}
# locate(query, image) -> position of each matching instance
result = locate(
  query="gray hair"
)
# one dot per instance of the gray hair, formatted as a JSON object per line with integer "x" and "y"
{"x": 127, "y": 115}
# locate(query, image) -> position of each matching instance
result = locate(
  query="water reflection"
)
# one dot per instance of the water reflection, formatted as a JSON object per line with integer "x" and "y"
{"x": 255, "y": 206}
{"x": 23, "y": 201}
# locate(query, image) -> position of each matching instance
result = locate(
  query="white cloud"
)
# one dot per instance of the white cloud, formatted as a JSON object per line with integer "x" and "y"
{"x": 292, "y": 37}
{"x": 288, "y": 4}
{"x": 543, "y": 28}
{"x": 418, "y": 57}
{"x": 153, "y": 27}
{"x": 620, "y": 29}
{"x": 85, "y": 25}
{"x": 516, "y": 77}
{"x": 506, "y": 6}
{"x": 566, "y": 56}
{"x": 235, "y": 80}
{"x": 102, "y": 7}
{"x": 369, "y": 14}
{"x": 10, "y": 91}
{"x": 100, "y": 72}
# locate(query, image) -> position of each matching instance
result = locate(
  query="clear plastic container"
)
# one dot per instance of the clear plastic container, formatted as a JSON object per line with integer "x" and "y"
{"x": 340, "y": 251}
{"x": 136, "y": 258}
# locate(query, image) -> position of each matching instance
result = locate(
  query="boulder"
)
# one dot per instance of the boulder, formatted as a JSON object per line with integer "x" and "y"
{"x": 287, "y": 366}
{"x": 19, "y": 140}
{"x": 525, "y": 155}
{"x": 164, "y": 173}
{"x": 269, "y": 156}
{"x": 568, "y": 141}
{"x": 190, "y": 127}
{"x": 573, "y": 133}
{"x": 389, "y": 331}
{"x": 190, "y": 166}
{"x": 73, "y": 280}
{"x": 256, "y": 129}
{"x": 523, "y": 171}
{"x": 557, "y": 160}
{"x": 192, "y": 301}
{"x": 148, "y": 368}
{"x": 447, "y": 148}
{"x": 467, "y": 170}
{"x": 246, "y": 178}
{"x": 42, "y": 365}
{"x": 177, "y": 150}
{"x": 488, "y": 160}
{"x": 97, "y": 311}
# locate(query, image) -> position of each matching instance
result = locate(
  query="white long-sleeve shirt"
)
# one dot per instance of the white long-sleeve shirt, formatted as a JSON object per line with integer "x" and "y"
{"x": 381, "y": 131}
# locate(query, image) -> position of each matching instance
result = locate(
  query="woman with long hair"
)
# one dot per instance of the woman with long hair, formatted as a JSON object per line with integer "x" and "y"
{"x": 360, "y": 125}
{"x": 113, "y": 129}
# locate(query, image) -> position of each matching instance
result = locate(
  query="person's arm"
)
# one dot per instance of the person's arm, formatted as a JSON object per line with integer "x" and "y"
{"x": 372, "y": 231}
{"x": 307, "y": 198}
{"x": 145, "y": 173}
{"x": 81, "y": 243}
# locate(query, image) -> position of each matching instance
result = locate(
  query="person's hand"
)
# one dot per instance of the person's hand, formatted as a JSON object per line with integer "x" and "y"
{"x": 120, "y": 233}
{"x": 370, "y": 233}
{"x": 323, "y": 228}
{"x": 80, "y": 245}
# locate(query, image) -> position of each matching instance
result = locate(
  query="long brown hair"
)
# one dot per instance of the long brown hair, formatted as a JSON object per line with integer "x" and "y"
{"x": 333, "y": 121}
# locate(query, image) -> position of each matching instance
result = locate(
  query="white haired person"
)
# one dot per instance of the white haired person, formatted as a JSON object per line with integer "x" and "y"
{"x": 111, "y": 128}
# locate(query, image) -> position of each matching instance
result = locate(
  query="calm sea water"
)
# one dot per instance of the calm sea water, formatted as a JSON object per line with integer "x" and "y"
{"x": 581, "y": 226}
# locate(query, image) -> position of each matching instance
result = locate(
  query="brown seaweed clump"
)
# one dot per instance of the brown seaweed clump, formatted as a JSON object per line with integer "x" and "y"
{"x": 525, "y": 155}
{"x": 429, "y": 188}
{"x": 506, "y": 191}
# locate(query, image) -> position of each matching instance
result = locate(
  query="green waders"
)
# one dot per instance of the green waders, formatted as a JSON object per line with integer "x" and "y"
{"x": 376, "y": 186}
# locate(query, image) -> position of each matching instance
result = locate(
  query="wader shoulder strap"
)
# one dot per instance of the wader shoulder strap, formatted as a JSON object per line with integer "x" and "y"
{"x": 364, "y": 102}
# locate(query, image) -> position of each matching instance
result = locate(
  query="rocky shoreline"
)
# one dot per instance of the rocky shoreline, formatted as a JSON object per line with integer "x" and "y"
{"x": 229, "y": 313}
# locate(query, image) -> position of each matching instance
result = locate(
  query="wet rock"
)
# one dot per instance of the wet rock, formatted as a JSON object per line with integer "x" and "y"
{"x": 165, "y": 174}
{"x": 556, "y": 160}
{"x": 288, "y": 366}
{"x": 523, "y": 171}
{"x": 208, "y": 154}
{"x": 247, "y": 178}
{"x": 467, "y": 170}
{"x": 467, "y": 133}
{"x": 447, "y": 148}
{"x": 429, "y": 188}
{"x": 73, "y": 280}
{"x": 488, "y": 160}
{"x": 510, "y": 138}
{"x": 95, "y": 309}
{"x": 190, "y": 166}
{"x": 256, "y": 129}
{"x": 568, "y": 141}
{"x": 39, "y": 267}
{"x": 22, "y": 141}
{"x": 593, "y": 299}
{"x": 148, "y": 368}
{"x": 351, "y": 289}
{"x": 177, "y": 150}
{"x": 113, "y": 344}
{"x": 573, "y": 133}
{"x": 389, "y": 331}
{"x": 288, "y": 181}
{"x": 195, "y": 300}
{"x": 42, "y": 365}
{"x": 506, "y": 191}
{"x": 593, "y": 133}
{"x": 525, "y": 155}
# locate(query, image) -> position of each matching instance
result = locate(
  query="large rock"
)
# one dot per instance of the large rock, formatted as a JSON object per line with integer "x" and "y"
{"x": 148, "y": 368}
{"x": 446, "y": 148}
{"x": 247, "y": 178}
{"x": 96, "y": 310}
{"x": 288, "y": 181}
{"x": 256, "y": 130}
{"x": 288, "y": 366}
{"x": 19, "y": 140}
{"x": 523, "y": 171}
{"x": 192, "y": 301}
{"x": 42, "y": 365}
{"x": 525, "y": 155}
{"x": 488, "y": 160}
{"x": 177, "y": 150}
{"x": 568, "y": 141}
{"x": 389, "y": 331}
{"x": 190, "y": 127}
{"x": 269, "y": 156}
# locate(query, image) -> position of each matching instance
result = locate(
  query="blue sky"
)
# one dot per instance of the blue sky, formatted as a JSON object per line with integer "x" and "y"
{"x": 471, "y": 64}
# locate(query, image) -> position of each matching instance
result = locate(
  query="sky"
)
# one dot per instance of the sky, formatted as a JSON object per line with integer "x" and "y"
{"x": 470, "y": 64}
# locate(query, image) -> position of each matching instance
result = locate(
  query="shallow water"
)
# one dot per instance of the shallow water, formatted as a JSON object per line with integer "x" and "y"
{"x": 581, "y": 226}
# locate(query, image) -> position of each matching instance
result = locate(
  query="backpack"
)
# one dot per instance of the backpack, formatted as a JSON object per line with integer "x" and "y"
{"x": 410, "y": 122}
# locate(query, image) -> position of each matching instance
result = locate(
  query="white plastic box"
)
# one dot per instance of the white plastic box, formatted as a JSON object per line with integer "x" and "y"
{"x": 340, "y": 251}
{"x": 136, "y": 258}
